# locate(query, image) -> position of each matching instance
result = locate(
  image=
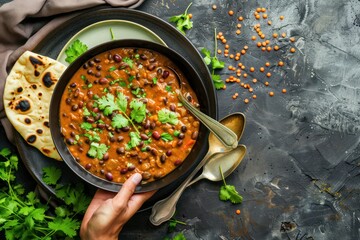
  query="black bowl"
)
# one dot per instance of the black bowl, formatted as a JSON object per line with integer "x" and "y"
{"x": 203, "y": 92}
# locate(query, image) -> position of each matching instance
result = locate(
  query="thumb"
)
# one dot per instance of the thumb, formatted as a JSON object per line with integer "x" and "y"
{"x": 127, "y": 190}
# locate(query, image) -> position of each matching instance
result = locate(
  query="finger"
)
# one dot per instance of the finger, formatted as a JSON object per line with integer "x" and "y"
{"x": 136, "y": 201}
{"x": 127, "y": 190}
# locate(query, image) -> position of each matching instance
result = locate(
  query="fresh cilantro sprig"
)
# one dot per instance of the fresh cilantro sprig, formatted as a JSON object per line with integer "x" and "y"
{"x": 178, "y": 236}
{"x": 134, "y": 140}
{"x": 214, "y": 62}
{"x": 24, "y": 216}
{"x": 75, "y": 50}
{"x": 97, "y": 150}
{"x": 108, "y": 104}
{"x": 228, "y": 192}
{"x": 182, "y": 21}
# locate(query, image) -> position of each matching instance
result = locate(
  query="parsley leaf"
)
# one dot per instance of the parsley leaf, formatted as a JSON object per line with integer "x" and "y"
{"x": 138, "y": 112}
{"x": 166, "y": 137}
{"x": 75, "y": 50}
{"x": 167, "y": 116}
{"x": 93, "y": 138}
{"x": 119, "y": 121}
{"x": 51, "y": 175}
{"x": 182, "y": 21}
{"x": 97, "y": 150}
{"x": 228, "y": 192}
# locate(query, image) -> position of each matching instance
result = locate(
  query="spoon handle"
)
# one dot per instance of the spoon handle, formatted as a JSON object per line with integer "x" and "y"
{"x": 164, "y": 209}
{"x": 224, "y": 134}
{"x": 195, "y": 180}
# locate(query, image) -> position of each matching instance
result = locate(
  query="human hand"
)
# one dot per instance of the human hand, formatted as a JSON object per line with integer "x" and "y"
{"x": 108, "y": 211}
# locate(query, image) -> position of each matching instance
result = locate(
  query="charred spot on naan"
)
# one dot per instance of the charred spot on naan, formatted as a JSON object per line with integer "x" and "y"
{"x": 21, "y": 105}
{"x": 49, "y": 79}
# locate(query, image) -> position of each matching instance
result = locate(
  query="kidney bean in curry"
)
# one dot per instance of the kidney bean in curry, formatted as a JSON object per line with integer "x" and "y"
{"x": 120, "y": 115}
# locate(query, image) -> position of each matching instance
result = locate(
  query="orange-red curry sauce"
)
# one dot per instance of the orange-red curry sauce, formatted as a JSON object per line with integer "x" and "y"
{"x": 120, "y": 115}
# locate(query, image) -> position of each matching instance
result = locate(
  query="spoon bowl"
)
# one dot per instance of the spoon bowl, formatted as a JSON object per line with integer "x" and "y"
{"x": 227, "y": 161}
{"x": 164, "y": 209}
{"x": 226, "y": 136}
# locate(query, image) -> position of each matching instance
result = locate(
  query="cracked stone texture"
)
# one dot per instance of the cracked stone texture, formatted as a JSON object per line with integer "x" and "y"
{"x": 301, "y": 175}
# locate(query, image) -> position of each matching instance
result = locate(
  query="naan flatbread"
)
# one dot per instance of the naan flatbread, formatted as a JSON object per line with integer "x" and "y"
{"x": 27, "y": 96}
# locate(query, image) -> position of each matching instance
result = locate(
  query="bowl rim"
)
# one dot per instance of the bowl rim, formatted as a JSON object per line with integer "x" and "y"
{"x": 54, "y": 119}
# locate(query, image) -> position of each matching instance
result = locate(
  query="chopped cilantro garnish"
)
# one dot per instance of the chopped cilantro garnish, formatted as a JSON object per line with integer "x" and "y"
{"x": 166, "y": 137}
{"x": 139, "y": 92}
{"x": 86, "y": 112}
{"x": 86, "y": 126}
{"x": 112, "y": 68}
{"x": 137, "y": 56}
{"x": 83, "y": 77}
{"x": 131, "y": 77}
{"x": 128, "y": 61}
{"x": 97, "y": 150}
{"x": 93, "y": 138}
{"x": 75, "y": 50}
{"x": 167, "y": 116}
{"x": 168, "y": 88}
{"x": 176, "y": 133}
{"x": 154, "y": 80}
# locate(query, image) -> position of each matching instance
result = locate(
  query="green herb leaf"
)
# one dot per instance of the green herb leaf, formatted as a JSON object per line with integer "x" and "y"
{"x": 207, "y": 54}
{"x": 138, "y": 112}
{"x": 97, "y": 150}
{"x": 93, "y": 138}
{"x": 51, "y": 175}
{"x": 168, "y": 88}
{"x": 67, "y": 225}
{"x": 112, "y": 34}
{"x": 166, "y": 137}
{"x": 228, "y": 192}
{"x": 182, "y": 21}
{"x": 86, "y": 112}
{"x": 128, "y": 61}
{"x": 112, "y": 68}
{"x": 75, "y": 50}
{"x": 218, "y": 83}
{"x": 86, "y": 126}
{"x": 122, "y": 102}
{"x": 154, "y": 80}
{"x": 167, "y": 116}
{"x": 216, "y": 64}
{"x": 179, "y": 236}
{"x": 119, "y": 121}
{"x": 107, "y": 104}
{"x": 134, "y": 140}
{"x": 176, "y": 133}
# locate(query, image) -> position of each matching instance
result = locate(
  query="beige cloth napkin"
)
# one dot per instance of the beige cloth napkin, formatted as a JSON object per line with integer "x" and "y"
{"x": 23, "y": 24}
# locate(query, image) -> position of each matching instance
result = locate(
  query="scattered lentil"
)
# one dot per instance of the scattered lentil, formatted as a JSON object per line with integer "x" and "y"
{"x": 231, "y": 12}
{"x": 246, "y": 100}
{"x": 281, "y": 63}
{"x": 240, "y": 18}
{"x": 271, "y": 94}
{"x": 214, "y": 7}
{"x": 292, "y": 50}
{"x": 284, "y": 90}
{"x": 268, "y": 74}
{"x": 281, "y": 17}
{"x": 237, "y": 211}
